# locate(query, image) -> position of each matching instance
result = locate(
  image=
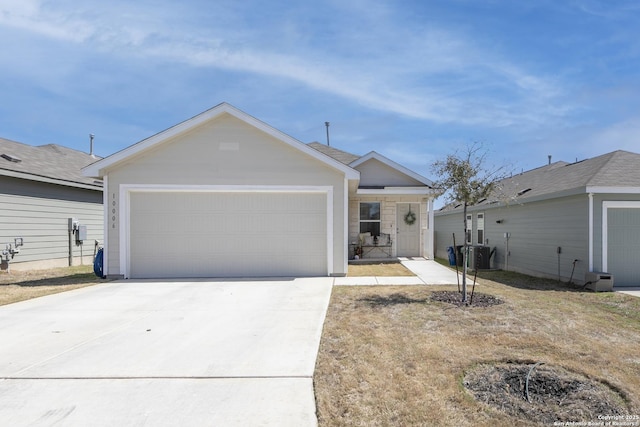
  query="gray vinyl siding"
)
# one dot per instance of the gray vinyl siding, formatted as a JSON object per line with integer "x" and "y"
{"x": 39, "y": 213}
{"x": 536, "y": 230}
{"x": 445, "y": 226}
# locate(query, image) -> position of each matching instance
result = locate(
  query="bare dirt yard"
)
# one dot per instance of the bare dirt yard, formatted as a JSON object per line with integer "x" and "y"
{"x": 528, "y": 352}
{"x": 22, "y": 285}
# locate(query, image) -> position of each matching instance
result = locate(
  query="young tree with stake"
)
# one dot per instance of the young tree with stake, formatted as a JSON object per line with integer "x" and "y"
{"x": 463, "y": 178}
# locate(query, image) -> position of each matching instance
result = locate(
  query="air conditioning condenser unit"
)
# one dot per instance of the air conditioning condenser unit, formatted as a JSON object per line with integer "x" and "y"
{"x": 599, "y": 282}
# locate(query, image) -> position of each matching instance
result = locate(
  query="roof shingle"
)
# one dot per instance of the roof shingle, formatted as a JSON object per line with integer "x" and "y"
{"x": 339, "y": 155}
{"x": 616, "y": 169}
{"x": 46, "y": 161}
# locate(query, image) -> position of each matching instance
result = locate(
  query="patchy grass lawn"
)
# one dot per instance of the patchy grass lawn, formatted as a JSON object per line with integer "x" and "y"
{"x": 22, "y": 285}
{"x": 381, "y": 270}
{"x": 393, "y": 356}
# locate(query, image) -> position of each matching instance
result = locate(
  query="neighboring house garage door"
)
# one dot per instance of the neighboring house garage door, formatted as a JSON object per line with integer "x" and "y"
{"x": 623, "y": 242}
{"x": 227, "y": 234}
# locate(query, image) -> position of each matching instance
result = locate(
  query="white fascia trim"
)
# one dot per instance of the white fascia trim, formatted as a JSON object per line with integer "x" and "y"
{"x": 125, "y": 209}
{"x": 37, "y": 178}
{"x": 105, "y": 226}
{"x": 345, "y": 227}
{"x": 399, "y": 191}
{"x": 329, "y": 193}
{"x": 606, "y": 205}
{"x": 97, "y": 168}
{"x": 392, "y": 164}
{"x": 123, "y": 221}
{"x": 613, "y": 190}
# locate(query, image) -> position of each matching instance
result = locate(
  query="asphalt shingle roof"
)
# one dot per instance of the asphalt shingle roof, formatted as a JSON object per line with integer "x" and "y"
{"x": 47, "y": 161}
{"x": 339, "y": 155}
{"x": 616, "y": 169}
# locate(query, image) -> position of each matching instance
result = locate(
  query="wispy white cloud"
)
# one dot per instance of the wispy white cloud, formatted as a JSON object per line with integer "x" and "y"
{"x": 428, "y": 73}
{"x": 605, "y": 9}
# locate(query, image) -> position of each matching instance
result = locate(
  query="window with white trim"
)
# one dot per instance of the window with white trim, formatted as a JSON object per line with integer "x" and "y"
{"x": 370, "y": 218}
{"x": 469, "y": 231}
{"x": 480, "y": 229}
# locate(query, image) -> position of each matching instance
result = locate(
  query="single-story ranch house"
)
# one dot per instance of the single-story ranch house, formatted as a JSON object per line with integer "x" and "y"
{"x": 226, "y": 195}
{"x": 40, "y": 189}
{"x": 562, "y": 220}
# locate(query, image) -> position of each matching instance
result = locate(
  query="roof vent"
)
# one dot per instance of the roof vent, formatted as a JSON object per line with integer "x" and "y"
{"x": 11, "y": 158}
{"x": 520, "y": 193}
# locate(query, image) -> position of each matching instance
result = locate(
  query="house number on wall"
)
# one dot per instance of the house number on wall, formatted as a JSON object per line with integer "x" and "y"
{"x": 113, "y": 211}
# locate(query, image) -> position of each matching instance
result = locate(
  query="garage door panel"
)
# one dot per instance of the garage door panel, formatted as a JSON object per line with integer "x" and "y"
{"x": 623, "y": 227}
{"x": 177, "y": 234}
{"x": 229, "y": 268}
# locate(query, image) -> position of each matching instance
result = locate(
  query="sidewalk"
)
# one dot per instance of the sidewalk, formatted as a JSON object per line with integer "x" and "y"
{"x": 427, "y": 272}
{"x": 635, "y": 292}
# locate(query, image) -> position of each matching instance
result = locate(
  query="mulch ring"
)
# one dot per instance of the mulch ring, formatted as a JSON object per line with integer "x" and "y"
{"x": 554, "y": 393}
{"x": 455, "y": 298}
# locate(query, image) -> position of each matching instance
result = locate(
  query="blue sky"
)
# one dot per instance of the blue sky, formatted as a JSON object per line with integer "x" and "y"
{"x": 412, "y": 80}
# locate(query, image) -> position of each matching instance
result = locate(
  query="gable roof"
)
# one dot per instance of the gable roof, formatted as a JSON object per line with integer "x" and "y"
{"x": 618, "y": 169}
{"x": 392, "y": 164}
{"x": 339, "y": 155}
{"x": 50, "y": 163}
{"x": 98, "y": 168}
{"x": 354, "y": 161}
{"x": 615, "y": 172}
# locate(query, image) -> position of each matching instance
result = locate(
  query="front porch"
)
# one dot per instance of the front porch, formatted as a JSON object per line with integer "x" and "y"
{"x": 385, "y": 227}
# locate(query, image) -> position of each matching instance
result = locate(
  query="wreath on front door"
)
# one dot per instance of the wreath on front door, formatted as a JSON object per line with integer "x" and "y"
{"x": 410, "y": 218}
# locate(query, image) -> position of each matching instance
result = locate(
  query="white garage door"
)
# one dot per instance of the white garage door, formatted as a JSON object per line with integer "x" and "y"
{"x": 623, "y": 248}
{"x": 218, "y": 234}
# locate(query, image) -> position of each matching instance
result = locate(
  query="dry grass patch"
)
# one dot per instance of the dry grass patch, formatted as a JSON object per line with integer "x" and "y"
{"x": 23, "y": 285}
{"x": 394, "y": 356}
{"x": 381, "y": 270}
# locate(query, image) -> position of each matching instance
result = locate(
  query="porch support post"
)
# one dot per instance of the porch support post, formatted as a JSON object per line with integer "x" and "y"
{"x": 429, "y": 241}
{"x": 590, "y": 231}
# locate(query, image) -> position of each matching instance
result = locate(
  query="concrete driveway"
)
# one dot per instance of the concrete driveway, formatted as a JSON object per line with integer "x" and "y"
{"x": 134, "y": 353}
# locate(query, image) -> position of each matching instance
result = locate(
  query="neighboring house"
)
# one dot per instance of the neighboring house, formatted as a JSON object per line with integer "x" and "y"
{"x": 563, "y": 220}
{"x": 226, "y": 195}
{"x": 40, "y": 189}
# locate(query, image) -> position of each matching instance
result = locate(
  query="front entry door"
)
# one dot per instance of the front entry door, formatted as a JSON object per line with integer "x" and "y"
{"x": 408, "y": 235}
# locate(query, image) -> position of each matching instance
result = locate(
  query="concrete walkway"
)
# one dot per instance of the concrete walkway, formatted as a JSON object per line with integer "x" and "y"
{"x": 160, "y": 353}
{"x": 635, "y": 292}
{"x": 427, "y": 272}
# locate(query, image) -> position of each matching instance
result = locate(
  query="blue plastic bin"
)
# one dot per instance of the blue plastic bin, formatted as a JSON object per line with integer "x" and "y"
{"x": 452, "y": 255}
